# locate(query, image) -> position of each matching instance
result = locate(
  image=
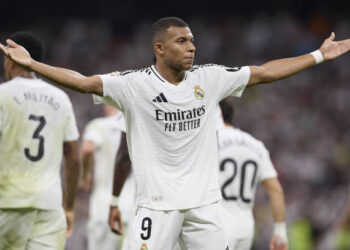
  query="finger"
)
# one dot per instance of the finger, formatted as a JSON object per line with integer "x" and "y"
{"x": 4, "y": 49}
{"x": 120, "y": 227}
{"x": 112, "y": 226}
{"x": 69, "y": 229}
{"x": 332, "y": 36}
{"x": 344, "y": 46}
{"x": 344, "y": 41}
{"x": 115, "y": 230}
{"x": 12, "y": 43}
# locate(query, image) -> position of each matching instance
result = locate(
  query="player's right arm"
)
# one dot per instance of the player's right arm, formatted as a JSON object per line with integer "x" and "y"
{"x": 121, "y": 171}
{"x": 72, "y": 169}
{"x": 87, "y": 151}
{"x": 275, "y": 192}
{"x": 63, "y": 77}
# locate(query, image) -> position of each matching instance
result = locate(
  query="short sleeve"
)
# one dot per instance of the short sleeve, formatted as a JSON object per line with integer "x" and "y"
{"x": 267, "y": 168}
{"x": 93, "y": 133}
{"x": 219, "y": 119}
{"x": 113, "y": 90}
{"x": 231, "y": 81}
{"x": 71, "y": 132}
{"x": 120, "y": 123}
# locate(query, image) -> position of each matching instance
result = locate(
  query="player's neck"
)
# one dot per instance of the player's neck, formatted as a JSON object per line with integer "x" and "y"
{"x": 227, "y": 125}
{"x": 172, "y": 75}
{"x": 22, "y": 73}
{"x": 111, "y": 113}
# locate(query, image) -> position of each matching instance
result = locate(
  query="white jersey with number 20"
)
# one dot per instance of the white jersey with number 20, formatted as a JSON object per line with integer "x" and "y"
{"x": 243, "y": 163}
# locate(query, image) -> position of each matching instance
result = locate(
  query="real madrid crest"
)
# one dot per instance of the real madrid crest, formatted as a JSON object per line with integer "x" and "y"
{"x": 144, "y": 246}
{"x": 198, "y": 92}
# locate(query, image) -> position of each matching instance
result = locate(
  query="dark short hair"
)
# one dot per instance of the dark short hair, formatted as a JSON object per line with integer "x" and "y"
{"x": 161, "y": 25}
{"x": 30, "y": 42}
{"x": 228, "y": 110}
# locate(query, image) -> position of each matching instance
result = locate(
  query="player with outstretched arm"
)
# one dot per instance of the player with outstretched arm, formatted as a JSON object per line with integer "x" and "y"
{"x": 169, "y": 109}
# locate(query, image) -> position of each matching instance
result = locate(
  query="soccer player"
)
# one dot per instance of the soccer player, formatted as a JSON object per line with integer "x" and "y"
{"x": 98, "y": 151}
{"x": 37, "y": 127}
{"x": 169, "y": 109}
{"x": 243, "y": 163}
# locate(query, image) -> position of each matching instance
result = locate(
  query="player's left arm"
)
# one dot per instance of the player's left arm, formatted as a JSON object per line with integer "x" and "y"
{"x": 275, "y": 192}
{"x": 282, "y": 68}
{"x": 122, "y": 169}
{"x": 72, "y": 169}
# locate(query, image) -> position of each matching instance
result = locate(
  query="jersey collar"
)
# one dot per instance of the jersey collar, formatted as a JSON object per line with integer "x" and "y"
{"x": 156, "y": 73}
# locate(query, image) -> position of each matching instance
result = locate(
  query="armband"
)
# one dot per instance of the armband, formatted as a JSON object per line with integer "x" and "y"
{"x": 114, "y": 201}
{"x": 318, "y": 56}
{"x": 280, "y": 230}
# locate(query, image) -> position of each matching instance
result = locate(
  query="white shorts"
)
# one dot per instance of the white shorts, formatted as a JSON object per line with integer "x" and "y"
{"x": 196, "y": 229}
{"x": 32, "y": 229}
{"x": 239, "y": 228}
{"x": 101, "y": 237}
{"x": 240, "y": 244}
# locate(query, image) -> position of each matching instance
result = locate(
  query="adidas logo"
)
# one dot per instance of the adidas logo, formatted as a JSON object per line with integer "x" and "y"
{"x": 160, "y": 98}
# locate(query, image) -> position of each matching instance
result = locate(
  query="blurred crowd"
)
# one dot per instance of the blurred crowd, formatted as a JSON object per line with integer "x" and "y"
{"x": 303, "y": 120}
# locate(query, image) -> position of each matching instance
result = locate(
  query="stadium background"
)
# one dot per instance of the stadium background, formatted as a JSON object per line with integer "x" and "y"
{"x": 304, "y": 120}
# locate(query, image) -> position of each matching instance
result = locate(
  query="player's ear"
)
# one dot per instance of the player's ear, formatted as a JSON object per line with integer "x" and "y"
{"x": 11, "y": 64}
{"x": 158, "y": 48}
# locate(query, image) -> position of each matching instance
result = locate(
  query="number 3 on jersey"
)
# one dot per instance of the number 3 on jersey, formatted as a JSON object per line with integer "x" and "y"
{"x": 37, "y": 136}
{"x": 244, "y": 176}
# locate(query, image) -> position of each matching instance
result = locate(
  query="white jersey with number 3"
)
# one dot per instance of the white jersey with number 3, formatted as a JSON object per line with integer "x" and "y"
{"x": 171, "y": 131}
{"x": 35, "y": 119}
{"x": 243, "y": 163}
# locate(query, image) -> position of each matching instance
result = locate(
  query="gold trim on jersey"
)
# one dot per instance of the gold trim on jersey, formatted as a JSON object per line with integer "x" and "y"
{"x": 198, "y": 92}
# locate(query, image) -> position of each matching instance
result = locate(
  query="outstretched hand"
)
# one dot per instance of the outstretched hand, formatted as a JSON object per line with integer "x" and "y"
{"x": 16, "y": 53}
{"x": 331, "y": 49}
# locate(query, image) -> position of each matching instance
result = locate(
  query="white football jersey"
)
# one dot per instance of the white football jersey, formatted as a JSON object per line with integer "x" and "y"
{"x": 35, "y": 119}
{"x": 243, "y": 163}
{"x": 171, "y": 131}
{"x": 105, "y": 133}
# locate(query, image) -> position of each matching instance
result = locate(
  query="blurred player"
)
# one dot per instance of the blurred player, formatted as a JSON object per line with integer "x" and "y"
{"x": 122, "y": 207}
{"x": 169, "y": 109}
{"x": 98, "y": 151}
{"x": 37, "y": 126}
{"x": 244, "y": 162}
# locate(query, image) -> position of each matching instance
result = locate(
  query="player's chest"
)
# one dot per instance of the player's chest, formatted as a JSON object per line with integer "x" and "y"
{"x": 182, "y": 108}
{"x": 187, "y": 94}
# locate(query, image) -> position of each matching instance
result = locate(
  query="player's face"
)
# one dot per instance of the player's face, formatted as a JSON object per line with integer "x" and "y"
{"x": 178, "y": 48}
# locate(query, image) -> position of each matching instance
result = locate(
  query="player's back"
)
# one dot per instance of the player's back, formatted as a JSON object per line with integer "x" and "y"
{"x": 244, "y": 162}
{"x": 34, "y": 123}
